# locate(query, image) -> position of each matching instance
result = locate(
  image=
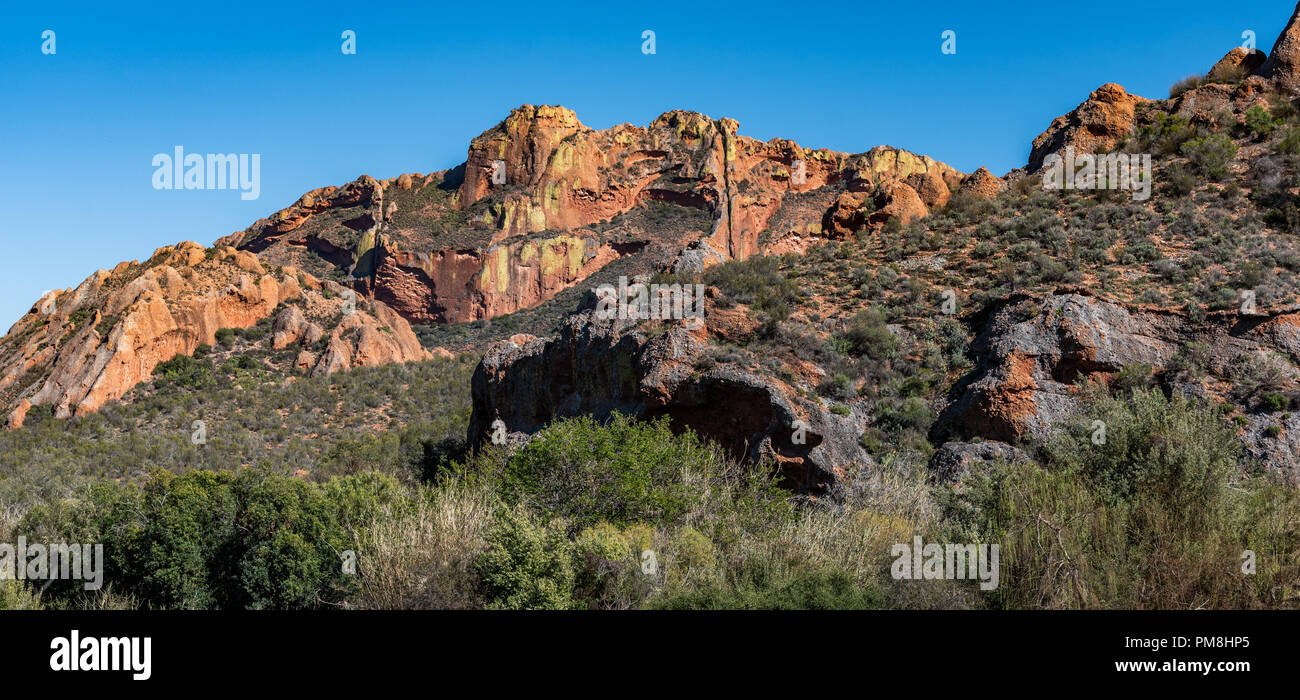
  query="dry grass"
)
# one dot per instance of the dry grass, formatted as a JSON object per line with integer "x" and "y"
{"x": 422, "y": 559}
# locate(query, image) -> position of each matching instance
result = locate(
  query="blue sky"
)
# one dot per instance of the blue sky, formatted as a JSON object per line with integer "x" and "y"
{"x": 79, "y": 128}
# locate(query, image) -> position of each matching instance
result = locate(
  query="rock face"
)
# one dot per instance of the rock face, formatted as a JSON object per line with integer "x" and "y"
{"x": 80, "y": 348}
{"x": 600, "y": 366}
{"x": 901, "y": 202}
{"x": 571, "y": 176}
{"x": 543, "y": 201}
{"x": 1029, "y": 366}
{"x": 1095, "y": 126}
{"x": 365, "y": 340}
{"x": 292, "y": 327}
{"x": 1207, "y": 103}
{"x": 469, "y": 285}
{"x": 1032, "y": 353}
{"x": 1283, "y": 64}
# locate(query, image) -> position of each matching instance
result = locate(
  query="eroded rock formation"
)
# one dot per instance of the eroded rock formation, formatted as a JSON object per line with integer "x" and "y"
{"x": 600, "y": 366}
{"x": 1034, "y": 354}
{"x": 1095, "y": 126}
{"x": 1283, "y": 64}
{"x": 77, "y": 349}
{"x": 543, "y": 201}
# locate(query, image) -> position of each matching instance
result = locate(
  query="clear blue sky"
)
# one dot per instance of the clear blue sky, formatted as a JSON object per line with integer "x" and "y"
{"x": 79, "y": 128}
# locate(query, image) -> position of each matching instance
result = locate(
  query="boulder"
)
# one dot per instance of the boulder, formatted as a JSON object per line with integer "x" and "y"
{"x": 898, "y": 200}
{"x": 982, "y": 184}
{"x": 598, "y": 366}
{"x": 1237, "y": 64}
{"x": 954, "y": 460}
{"x": 1095, "y": 126}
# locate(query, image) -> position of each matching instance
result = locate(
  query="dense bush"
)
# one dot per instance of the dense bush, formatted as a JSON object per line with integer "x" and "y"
{"x": 1143, "y": 518}
{"x": 527, "y": 565}
{"x": 626, "y": 471}
{"x": 758, "y": 282}
{"x": 186, "y": 372}
{"x": 244, "y": 539}
{"x": 1210, "y": 155}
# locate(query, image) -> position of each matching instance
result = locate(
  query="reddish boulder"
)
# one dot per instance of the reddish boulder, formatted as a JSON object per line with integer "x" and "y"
{"x": 1095, "y": 126}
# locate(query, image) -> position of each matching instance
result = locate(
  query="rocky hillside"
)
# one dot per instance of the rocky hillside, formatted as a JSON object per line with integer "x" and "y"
{"x": 542, "y": 202}
{"x": 976, "y": 327}
{"x": 858, "y": 306}
{"x": 79, "y": 348}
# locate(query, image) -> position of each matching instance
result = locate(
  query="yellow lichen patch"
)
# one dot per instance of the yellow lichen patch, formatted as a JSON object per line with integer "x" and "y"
{"x": 562, "y": 161}
{"x": 563, "y": 253}
{"x": 536, "y": 218}
{"x": 551, "y": 197}
{"x": 577, "y": 249}
{"x": 551, "y": 260}
{"x": 504, "y": 212}
{"x": 908, "y": 164}
{"x": 527, "y": 253}
{"x": 503, "y": 269}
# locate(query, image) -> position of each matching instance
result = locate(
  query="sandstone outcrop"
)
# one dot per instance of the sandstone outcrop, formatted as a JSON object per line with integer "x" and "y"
{"x": 291, "y": 327}
{"x": 899, "y": 201}
{"x": 1095, "y": 126}
{"x": 365, "y": 340}
{"x": 1283, "y": 64}
{"x": 543, "y": 201}
{"x": 79, "y": 348}
{"x": 982, "y": 184}
{"x": 1237, "y": 63}
{"x": 1208, "y": 103}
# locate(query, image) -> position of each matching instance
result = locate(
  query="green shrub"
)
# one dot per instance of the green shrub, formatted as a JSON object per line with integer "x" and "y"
{"x": 1210, "y": 155}
{"x": 1145, "y": 519}
{"x": 1273, "y": 402}
{"x": 868, "y": 337}
{"x": 1166, "y": 134}
{"x": 758, "y": 588}
{"x": 526, "y": 566}
{"x": 1132, "y": 377}
{"x": 187, "y": 372}
{"x": 18, "y": 595}
{"x": 1290, "y": 141}
{"x": 205, "y": 539}
{"x": 757, "y": 281}
{"x": 620, "y": 472}
{"x": 242, "y": 363}
{"x": 1259, "y": 121}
